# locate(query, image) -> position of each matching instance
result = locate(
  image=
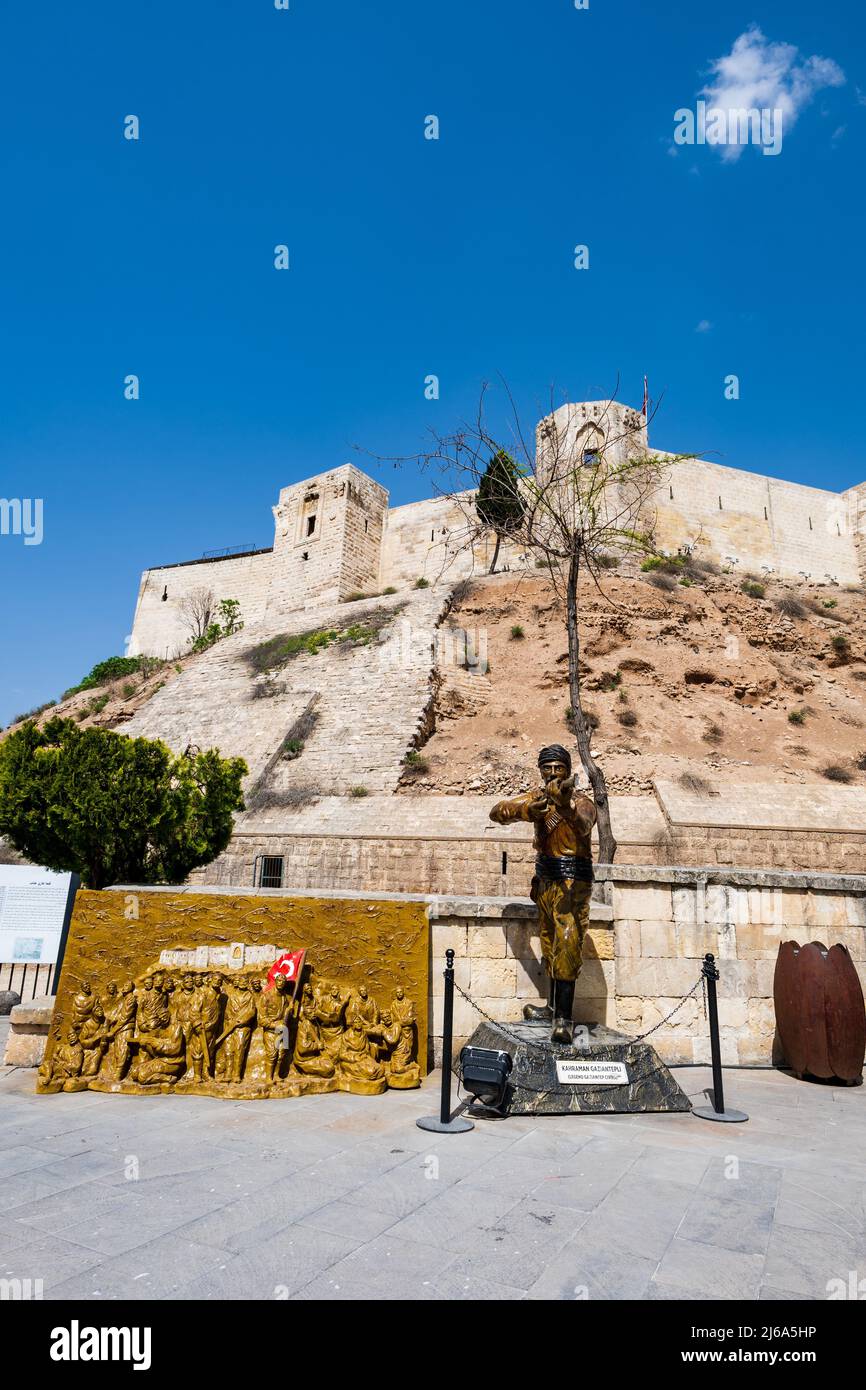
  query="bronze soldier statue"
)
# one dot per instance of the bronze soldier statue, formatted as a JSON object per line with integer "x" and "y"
{"x": 562, "y": 885}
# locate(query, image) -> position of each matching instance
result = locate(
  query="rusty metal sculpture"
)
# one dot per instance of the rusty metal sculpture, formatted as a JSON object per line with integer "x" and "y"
{"x": 820, "y": 1015}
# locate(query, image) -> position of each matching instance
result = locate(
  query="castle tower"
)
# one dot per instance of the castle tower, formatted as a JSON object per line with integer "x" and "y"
{"x": 327, "y": 538}
{"x": 584, "y": 431}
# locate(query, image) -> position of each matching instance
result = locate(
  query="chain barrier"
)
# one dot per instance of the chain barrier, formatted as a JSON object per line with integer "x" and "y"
{"x": 524, "y": 1042}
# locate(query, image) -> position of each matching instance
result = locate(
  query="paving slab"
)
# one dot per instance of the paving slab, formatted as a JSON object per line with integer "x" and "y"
{"x": 342, "y": 1197}
{"x": 695, "y": 1267}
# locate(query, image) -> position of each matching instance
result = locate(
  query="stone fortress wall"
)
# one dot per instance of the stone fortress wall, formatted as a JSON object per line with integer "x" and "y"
{"x": 335, "y": 534}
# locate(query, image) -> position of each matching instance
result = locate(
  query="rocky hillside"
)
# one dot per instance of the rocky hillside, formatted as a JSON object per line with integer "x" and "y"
{"x": 326, "y": 703}
{"x": 691, "y": 674}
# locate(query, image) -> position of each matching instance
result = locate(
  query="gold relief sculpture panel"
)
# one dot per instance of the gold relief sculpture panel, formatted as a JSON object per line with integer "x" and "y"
{"x": 241, "y": 997}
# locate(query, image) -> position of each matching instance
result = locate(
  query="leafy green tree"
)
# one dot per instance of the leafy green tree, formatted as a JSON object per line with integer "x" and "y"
{"x": 499, "y": 501}
{"x": 112, "y": 808}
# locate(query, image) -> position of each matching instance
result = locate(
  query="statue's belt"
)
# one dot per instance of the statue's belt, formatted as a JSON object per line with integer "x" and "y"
{"x": 562, "y": 866}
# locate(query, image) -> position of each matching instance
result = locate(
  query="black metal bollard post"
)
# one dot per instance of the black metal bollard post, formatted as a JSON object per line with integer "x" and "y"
{"x": 446, "y": 1124}
{"x": 447, "y": 1038}
{"x": 717, "y": 1110}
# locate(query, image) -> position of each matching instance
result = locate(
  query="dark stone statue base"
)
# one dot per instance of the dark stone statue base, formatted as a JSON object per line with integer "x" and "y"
{"x": 597, "y": 1055}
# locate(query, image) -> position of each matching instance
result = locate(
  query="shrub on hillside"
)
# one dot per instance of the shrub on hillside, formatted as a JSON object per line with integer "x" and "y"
{"x": 294, "y": 798}
{"x": 834, "y": 772}
{"x": 296, "y": 738}
{"x": 209, "y": 638}
{"x": 790, "y": 607}
{"x": 698, "y": 566}
{"x": 666, "y": 564}
{"x": 95, "y": 705}
{"x": 662, "y": 581}
{"x": 589, "y": 715}
{"x": 32, "y": 714}
{"x": 699, "y": 786}
{"x": 416, "y": 762}
{"x": 752, "y": 589}
{"x": 111, "y": 669}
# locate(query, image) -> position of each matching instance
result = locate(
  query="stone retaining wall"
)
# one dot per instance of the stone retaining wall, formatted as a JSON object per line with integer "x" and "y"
{"x": 645, "y": 948}
{"x": 650, "y": 928}
{"x": 501, "y": 865}
{"x": 496, "y": 866}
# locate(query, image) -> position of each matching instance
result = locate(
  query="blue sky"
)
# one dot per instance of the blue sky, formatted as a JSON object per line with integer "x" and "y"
{"x": 408, "y": 257}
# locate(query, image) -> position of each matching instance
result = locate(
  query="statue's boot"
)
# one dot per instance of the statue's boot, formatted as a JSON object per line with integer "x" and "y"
{"x": 541, "y": 1013}
{"x": 562, "y": 1008}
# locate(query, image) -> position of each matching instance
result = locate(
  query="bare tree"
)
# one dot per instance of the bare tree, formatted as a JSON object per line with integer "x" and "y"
{"x": 588, "y": 489}
{"x": 197, "y": 610}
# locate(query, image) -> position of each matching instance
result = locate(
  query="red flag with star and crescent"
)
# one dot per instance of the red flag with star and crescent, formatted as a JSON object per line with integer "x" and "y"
{"x": 289, "y": 965}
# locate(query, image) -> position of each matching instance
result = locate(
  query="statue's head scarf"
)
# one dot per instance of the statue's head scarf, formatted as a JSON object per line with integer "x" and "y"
{"x": 555, "y": 753}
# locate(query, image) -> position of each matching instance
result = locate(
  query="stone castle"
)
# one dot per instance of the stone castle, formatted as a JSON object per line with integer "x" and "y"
{"x": 335, "y": 535}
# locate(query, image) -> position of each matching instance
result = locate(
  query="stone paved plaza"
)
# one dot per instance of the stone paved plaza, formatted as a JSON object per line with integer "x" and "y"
{"x": 343, "y": 1197}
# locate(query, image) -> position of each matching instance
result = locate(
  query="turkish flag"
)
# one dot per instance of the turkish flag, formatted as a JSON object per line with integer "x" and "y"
{"x": 289, "y": 965}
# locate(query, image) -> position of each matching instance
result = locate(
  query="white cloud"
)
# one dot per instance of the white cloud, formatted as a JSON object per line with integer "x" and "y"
{"x": 759, "y": 74}
{"x": 703, "y": 327}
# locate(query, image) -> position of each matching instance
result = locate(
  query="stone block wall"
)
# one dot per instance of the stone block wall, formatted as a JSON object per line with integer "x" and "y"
{"x": 650, "y": 929}
{"x": 666, "y": 921}
{"x": 645, "y": 949}
{"x": 160, "y": 627}
{"x": 757, "y": 521}
{"x": 427, "y": 540}
{"x": 837, "y": 851}
{"x": 388, "y": 863}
